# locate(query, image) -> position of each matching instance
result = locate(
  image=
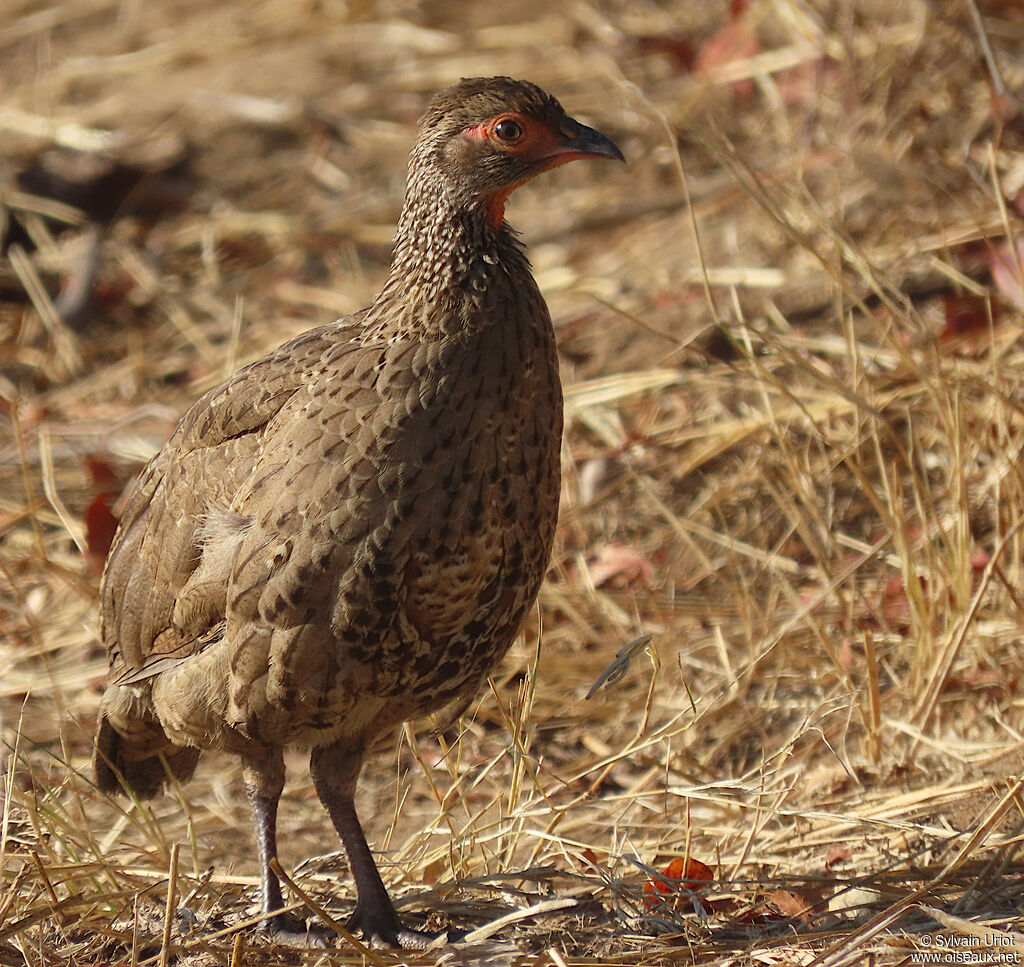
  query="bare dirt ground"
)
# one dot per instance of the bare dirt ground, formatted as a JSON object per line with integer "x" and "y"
{"x": 790, "y": 342}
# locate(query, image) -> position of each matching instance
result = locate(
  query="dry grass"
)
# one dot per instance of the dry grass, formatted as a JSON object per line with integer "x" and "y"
{"x": 774, "y": 467}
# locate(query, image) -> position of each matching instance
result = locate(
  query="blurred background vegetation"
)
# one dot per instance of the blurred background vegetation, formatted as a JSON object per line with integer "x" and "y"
{"x": 790, "y": 340}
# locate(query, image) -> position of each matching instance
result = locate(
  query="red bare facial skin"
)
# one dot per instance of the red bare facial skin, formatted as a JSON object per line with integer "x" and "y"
{"x": 542, "y": 147}
{"x": 496, "y": 204}
{"x": 536, "y": 143}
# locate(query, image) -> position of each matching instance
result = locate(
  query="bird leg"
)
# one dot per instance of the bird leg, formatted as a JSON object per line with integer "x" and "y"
{"x": 335, "y": 770}
{"x": 264, "y": 780}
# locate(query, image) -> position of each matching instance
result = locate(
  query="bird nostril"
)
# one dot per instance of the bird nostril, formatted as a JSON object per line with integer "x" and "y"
{"x": 569, "y": 128}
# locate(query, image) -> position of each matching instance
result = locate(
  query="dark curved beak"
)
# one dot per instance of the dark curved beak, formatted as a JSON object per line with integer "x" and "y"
{"x": 575, "y": 140}
{"x": 589, "y": 143}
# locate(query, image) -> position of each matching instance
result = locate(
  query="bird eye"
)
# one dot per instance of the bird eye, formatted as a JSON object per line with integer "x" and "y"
{"x": 508, "y": 131}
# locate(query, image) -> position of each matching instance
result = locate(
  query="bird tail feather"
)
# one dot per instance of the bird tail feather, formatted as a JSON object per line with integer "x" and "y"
{"x": 139, "y": 764}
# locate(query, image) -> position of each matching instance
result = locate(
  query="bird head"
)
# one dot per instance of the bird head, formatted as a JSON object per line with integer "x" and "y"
{"x": 486, "y": 136}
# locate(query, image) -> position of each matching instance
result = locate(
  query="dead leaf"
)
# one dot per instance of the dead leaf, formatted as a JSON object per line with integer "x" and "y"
{"x": 836, "y": 856}
{"x": 800, "y": 85}
{"x": 1007, "y": 265}
{"x": 969, "y": 320}
{"x": 432, "y": 871}
{"x": 735, "y": 41}
{"x": 680, "y": 878}
{"x": 796, "y": 904}
{"x": 100, "y": 527}
{"x": 677, "y": 47}
{"x": 592, "y": 861}
{"x": 896, "y": 604}
{"x": 618, "y": 566}
{"x": 845, "y": 655}
{"x": 103, "y": 477}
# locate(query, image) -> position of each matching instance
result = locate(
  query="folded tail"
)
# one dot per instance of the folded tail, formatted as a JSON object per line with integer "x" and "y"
{"x": 138, "y": 758}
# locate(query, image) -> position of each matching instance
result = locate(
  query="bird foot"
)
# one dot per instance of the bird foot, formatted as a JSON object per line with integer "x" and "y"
{"x": 382, "y": 928}
{"x": 285, "y": 929}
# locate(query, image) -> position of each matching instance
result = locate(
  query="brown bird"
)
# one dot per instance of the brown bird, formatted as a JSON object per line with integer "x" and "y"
{"x": 347, "y": 533}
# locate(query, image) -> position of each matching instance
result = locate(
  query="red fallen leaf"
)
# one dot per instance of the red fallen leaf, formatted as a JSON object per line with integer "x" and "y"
{"x": 690, "y": 873}
{"x": 109, "y": 294}
{"x": 100, "y": 522}
{"x": 673, "y": 298}
{"x": 677, "y": 47}
{"x": 432, "y": 871}
{"x": 799, "y": 85}
{"x": 1004, "y": 110}
{"x": 618, "y": 566}
{"x": 968, "y": 320}
{"x": 734, "y": 41}
{"x": 837, "y": 855}
{"x": 593, "y": 861}
{"x": 895, "y": 604}
{"x": 104, "y": 478}
{"x": 796, "y": 904}
{"x": 973, "y": 258}
{"x": 30, "y": 414}
{"x": 981, "y": 678}
{"x": 1008, "y": 272}
{"x": 1000, "y": 8}
{"x": 722, "y": 904}
{"x": 100, "y": 525}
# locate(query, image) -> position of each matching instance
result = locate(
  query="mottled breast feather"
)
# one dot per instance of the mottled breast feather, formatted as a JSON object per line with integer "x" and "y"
{"x": 365, "y": 511}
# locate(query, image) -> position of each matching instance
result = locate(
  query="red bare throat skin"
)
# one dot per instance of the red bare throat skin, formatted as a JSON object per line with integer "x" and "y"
{"x": 496, "y": 203}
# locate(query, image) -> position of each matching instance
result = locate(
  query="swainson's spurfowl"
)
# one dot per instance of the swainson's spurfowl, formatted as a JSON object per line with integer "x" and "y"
{"x": 347, "y": 533}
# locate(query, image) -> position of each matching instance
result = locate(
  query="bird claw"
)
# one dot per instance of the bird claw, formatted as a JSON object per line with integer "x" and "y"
{"x": 285, "y": 929}
{"x": 382, "y": 929}
{"x": 406, "y": 939}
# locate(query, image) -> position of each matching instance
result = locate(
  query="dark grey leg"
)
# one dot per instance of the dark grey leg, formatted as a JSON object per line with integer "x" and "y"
{"x": 335, "y": 770}
{"x": 264, "y": 780}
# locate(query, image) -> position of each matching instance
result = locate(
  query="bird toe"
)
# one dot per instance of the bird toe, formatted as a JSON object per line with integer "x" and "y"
{"x": 293, "y": 932}
{"x": 385, "y": 930}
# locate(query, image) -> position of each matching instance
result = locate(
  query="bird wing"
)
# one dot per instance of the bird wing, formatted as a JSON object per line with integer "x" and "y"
{"x": 181, "y": 500}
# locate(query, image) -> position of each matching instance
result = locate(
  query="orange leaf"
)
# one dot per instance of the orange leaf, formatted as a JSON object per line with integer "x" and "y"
{"x": 796, "y": 904}
{"x": 432, "y": 871}
{"x": 691, "y": 874}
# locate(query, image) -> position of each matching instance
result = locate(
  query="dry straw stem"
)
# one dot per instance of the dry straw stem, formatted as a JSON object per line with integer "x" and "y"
{"x": 779, "y": 475}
